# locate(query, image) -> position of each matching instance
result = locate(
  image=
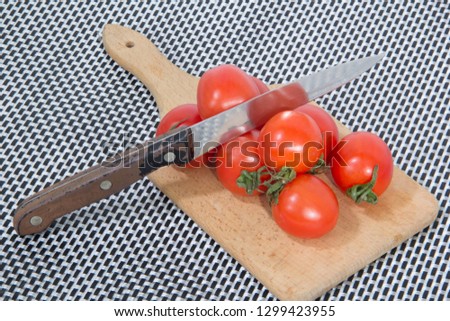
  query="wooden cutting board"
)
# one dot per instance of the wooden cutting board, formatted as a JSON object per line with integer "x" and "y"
{"x": 291, "y": 268}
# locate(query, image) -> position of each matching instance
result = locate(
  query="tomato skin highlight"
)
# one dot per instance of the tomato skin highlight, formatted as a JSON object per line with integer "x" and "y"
{"x": 361, "y": 153}
{"x": 306, "y": 208}
{"x": 230, "y": 158}
{"x": 326, "y": 125}
{"x": 291, "y": 139}
{"x": 223, "y": 87}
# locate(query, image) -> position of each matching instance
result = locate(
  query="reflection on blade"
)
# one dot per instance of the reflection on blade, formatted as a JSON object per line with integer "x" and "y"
{"x": 255, "y": 112}
{"x": 325, "y": 81}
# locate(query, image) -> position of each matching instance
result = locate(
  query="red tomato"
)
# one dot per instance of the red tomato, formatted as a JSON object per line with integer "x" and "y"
{"x": 182, "y": 115}
{"x": 355, "y": 162}
{"x": 222, "y": 88}
{"x": 262, "y": 87}
{"x": 306, "y": 208}
{"x": 291, "y": 139}
{"x": 235, "y": 156}
{"x": 328, "y": 128}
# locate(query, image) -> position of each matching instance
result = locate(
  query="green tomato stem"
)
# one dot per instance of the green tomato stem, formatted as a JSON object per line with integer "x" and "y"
{"x": 364, "y": 192}
{"x": 251, "y": 181}
{"x": 320, "y": 167}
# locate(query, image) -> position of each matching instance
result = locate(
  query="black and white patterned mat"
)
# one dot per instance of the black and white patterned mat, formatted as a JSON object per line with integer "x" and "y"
{"x": 63, "y": 98}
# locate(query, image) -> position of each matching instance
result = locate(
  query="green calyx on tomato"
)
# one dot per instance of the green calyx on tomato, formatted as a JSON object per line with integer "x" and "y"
{"x": 277, "y": 182}
{"x": 250, "y": 181}
{"x": 273, "y": 180}
{"x": 234, "y": 157}
{"x": 364, "y": 168}
{"x": 364, "y": 192}
{"x": 320, "y": 167}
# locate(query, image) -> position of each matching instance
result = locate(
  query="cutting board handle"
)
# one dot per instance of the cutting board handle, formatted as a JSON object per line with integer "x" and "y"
{"x": 135, "y": 53}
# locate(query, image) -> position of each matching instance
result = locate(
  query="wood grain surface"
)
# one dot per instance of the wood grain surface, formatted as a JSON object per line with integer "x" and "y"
{"x": 291, "y": 268}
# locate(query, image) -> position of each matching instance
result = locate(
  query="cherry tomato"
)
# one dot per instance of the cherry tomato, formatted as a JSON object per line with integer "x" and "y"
{"x": 328, "y": 128}
{"x": 262, "y": 87}
{"x": 182, "y": 115}
{"x": 222, "y": 88}
{"x": 306, "y": 208}
{"x": 235, "y": 156}
{"x": 355, "y": 162}
{"x": 291, "y": 139}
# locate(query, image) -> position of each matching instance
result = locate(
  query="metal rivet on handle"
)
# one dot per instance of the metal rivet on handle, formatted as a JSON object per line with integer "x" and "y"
{"x": 105, "y": 185}
{"x": 36, "y": 220}
{"x": 169, "y": 157}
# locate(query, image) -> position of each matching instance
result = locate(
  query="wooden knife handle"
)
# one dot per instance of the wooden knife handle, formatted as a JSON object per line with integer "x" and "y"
{"x": 37, "y": 212}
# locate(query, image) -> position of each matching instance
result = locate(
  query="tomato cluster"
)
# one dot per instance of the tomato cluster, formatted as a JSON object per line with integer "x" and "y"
{"x": 281, "y": 159}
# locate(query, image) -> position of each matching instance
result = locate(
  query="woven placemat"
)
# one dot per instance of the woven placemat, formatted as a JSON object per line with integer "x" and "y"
{"x": 63, "y": 99}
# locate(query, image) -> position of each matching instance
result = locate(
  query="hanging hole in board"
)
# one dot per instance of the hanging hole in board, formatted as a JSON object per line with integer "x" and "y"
{"x": 130, "y": 44}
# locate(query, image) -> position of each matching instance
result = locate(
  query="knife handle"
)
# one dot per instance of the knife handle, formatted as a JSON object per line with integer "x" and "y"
{"x": 38, "y": 212}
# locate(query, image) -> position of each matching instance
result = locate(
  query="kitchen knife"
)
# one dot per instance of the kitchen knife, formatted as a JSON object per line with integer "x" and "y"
{"x": 179, "y": 146}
